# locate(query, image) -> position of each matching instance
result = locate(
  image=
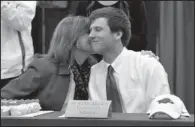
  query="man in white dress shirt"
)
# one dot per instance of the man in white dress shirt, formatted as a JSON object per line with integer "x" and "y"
{"x": 139, "y": 78}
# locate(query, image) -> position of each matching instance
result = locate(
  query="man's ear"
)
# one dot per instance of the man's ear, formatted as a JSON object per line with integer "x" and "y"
{"x": 118, "y": 35}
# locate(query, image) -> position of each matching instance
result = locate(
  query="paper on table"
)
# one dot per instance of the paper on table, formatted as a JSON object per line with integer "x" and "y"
{"x": 62, "y": 115}
{"x": 36, "y": 114}
{"x": 32, "y": 114}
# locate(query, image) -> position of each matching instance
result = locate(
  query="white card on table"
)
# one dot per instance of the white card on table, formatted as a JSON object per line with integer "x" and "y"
{"x": 88, "y": 109}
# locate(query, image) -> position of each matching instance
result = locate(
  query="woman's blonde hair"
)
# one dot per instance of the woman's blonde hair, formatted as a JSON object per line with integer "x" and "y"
{"x": 65, "y": 37}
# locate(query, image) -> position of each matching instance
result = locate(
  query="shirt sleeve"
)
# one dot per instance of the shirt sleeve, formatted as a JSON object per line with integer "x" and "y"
{"x": 22, "y": 86}
{"x": 18, "y": 14}
{"x": 156, "y": 81}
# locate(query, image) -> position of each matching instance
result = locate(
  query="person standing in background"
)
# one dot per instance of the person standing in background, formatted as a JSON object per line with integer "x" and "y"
{"x": 16, "y": 41}
{"x": 135, "y": 10}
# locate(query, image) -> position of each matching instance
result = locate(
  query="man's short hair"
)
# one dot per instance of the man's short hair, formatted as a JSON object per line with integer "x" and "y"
{"x": 117, "y": 21}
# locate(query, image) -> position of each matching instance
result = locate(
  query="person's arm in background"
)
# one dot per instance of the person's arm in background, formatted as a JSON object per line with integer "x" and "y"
{"x": 25, "y": 85}
{"x": 18, "y": 14}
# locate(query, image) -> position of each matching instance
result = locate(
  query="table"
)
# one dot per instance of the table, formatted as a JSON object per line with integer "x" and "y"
{"x": 117, "y": 119}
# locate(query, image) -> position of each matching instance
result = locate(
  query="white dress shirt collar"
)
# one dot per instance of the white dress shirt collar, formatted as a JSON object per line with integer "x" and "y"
{"x": 117, "y": 63}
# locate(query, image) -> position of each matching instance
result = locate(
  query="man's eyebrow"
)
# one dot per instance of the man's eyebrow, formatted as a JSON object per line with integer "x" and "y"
{"x": 95, "y": 27}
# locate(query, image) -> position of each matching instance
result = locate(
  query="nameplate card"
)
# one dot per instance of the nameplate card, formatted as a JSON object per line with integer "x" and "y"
{"x": 88, "y": 109}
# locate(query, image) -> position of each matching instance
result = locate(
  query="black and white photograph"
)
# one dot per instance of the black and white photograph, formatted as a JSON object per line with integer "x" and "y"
{"x": 97, "y": 63}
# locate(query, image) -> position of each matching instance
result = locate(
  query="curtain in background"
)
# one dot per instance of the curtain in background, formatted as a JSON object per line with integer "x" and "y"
{"x": 175, "y": 47}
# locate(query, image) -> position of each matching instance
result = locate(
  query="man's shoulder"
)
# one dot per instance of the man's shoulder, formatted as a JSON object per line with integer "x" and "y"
{"x": 149, "y": 59}
{"x": 144, "y": 56}
{"x": 149, "y": 62}
{"x": 141, "y": 59}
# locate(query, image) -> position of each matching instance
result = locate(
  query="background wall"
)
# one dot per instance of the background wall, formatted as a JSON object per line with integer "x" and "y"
{"x": 153, "y": 24}
{"x": 171, "y": 37}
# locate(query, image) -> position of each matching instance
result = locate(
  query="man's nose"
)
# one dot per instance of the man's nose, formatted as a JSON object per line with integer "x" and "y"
{"x": 91, "y": 34}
